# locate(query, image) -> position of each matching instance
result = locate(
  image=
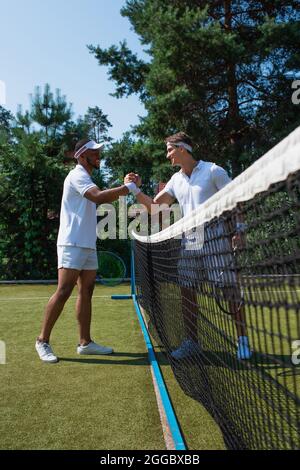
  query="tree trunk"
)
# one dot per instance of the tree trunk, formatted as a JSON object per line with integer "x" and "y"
{"x": 233, "y": 116}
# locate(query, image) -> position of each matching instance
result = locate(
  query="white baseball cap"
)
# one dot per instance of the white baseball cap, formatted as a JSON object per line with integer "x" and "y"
{"x": 91, "y": 145}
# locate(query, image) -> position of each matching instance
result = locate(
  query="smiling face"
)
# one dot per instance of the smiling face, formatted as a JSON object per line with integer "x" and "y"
{"x": 174, "y": 155}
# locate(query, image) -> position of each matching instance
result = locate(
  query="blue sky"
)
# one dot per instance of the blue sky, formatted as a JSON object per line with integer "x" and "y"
{"x": 44, "y": 41}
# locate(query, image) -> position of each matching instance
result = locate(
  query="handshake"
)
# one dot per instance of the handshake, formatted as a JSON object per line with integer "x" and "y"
{"x": 133, "y": 181}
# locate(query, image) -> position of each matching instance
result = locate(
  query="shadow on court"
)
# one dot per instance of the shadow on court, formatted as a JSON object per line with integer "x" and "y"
{"x": 138, "y": 359}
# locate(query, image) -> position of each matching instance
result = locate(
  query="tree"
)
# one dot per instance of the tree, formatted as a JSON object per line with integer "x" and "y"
{"x": 49, "y": 111}
{"x": 219, "y": 70}
{"x": 32, "y": 174}
{"x": 73, "y": 131}
{"x": 97, "y": 124}
{"x": 28, "y": 233}
{"x": 32, "y": 170}
{"x": 129, "y": 75}
{"x": 6, "y": 119}
{"x": 128, "y": 155}
{"x": 49, "y": 116}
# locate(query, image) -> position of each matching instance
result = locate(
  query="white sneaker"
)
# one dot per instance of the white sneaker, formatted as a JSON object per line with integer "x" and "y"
{"x": 187, "y": 348}
{"x": 45, "y": 352}
{"x": 94, "y": 349}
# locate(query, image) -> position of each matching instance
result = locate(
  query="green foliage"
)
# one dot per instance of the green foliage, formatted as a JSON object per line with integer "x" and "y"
{"x": 128, "y": 73}
{"x": 145, "y": 157}
{"x": 49, "y": 111}
{"x": 270, "y": 239}
{"x": 35, "y": 151}
{"x": 97, "y": 124}
{"x": 220, "y": 71}
{"x": 28, "y": 229}
{"x": 32, "y": 175}
{"x": 5, "y": 123}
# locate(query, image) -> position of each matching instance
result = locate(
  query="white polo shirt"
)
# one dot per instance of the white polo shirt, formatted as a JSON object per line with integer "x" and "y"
{"x": 78, "y": 218}
{"x": 206, "y": 179}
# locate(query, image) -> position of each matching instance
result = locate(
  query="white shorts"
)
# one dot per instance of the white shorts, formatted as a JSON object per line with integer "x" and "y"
{"x": 75, "y": 257}
{"x": 213, "y": 262}
{"x": 195, "y": 267}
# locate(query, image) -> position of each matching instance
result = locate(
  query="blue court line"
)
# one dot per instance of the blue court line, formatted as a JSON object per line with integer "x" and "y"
{"x": 168, "y": 408}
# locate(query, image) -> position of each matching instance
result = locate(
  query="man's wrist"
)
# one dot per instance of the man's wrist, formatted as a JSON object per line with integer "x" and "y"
{"x": 132, "y": 188}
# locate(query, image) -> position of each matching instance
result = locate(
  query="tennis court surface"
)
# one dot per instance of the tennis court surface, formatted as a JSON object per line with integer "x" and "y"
{"x": 86, "y": 403}
{"x": 221, "y": 291}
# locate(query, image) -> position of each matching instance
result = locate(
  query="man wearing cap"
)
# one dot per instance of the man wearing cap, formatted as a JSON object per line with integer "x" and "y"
{"x": 196, "y": 182}
{"x": 76, "y": 249}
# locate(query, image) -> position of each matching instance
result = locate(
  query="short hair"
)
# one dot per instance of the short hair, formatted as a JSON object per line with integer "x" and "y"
{"x": 179, "y": 137}
{"x": 81, "y": 143}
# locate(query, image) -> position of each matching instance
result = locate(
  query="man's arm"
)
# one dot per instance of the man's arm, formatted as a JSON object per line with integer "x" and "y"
{"x": 161, "y": 198}
{"x": 108, "y": 195}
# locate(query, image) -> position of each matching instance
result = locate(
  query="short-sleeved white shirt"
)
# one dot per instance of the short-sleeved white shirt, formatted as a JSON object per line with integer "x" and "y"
{"x": 78, "y": 218}
{"x": 206, "y": 179}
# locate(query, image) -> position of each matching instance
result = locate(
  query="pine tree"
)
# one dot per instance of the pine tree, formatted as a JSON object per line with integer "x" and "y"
{"x": 97, "y": 124}
{"x": 50, "y": 111}
{"x": 220, "y": 70}
{"x": 6, "y": 119}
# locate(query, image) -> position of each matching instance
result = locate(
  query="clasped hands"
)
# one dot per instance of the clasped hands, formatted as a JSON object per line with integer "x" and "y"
{"x": 133, "y": 178}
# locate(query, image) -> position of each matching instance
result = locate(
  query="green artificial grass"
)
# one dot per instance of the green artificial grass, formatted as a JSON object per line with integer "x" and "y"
{"x": 85, "y": 402}
{"x": 258, "y": 398}
{"x": 199, "y": 429}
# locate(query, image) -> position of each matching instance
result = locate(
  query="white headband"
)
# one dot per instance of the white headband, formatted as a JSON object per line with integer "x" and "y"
{"x": 181, "y": 144}
{"x": 91, "y": 145}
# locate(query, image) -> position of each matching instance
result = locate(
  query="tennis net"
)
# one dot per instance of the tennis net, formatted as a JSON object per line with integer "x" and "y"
{"x": 220, "y": 290}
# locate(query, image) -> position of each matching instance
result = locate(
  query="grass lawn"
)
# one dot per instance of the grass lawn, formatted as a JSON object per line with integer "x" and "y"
{"x": 86, "y": 402}
{"x": 257, "y": 400}
{"x": 81, "y": 402}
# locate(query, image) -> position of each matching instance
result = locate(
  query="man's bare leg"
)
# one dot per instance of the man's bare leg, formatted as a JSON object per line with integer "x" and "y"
{"x": 236, "y": 309}
{"x": 66, "y": 281}
{"x": 86, "y": 284}
{"x": 239, "y": 318}
{"x": 189, "y": 345}
{"x": 190, "y": 312}
{"x": 238, "y": 312}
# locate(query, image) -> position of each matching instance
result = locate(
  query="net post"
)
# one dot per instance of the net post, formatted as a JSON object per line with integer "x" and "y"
{"x": 132, "y": 278}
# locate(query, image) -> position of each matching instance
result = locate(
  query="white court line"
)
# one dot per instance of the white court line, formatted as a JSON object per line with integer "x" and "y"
{"x": 5, "y": 299}
{"x": 270, "y": 290}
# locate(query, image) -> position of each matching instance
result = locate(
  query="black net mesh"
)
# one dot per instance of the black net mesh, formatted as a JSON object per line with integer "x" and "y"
{"x": 226, "y": 313}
